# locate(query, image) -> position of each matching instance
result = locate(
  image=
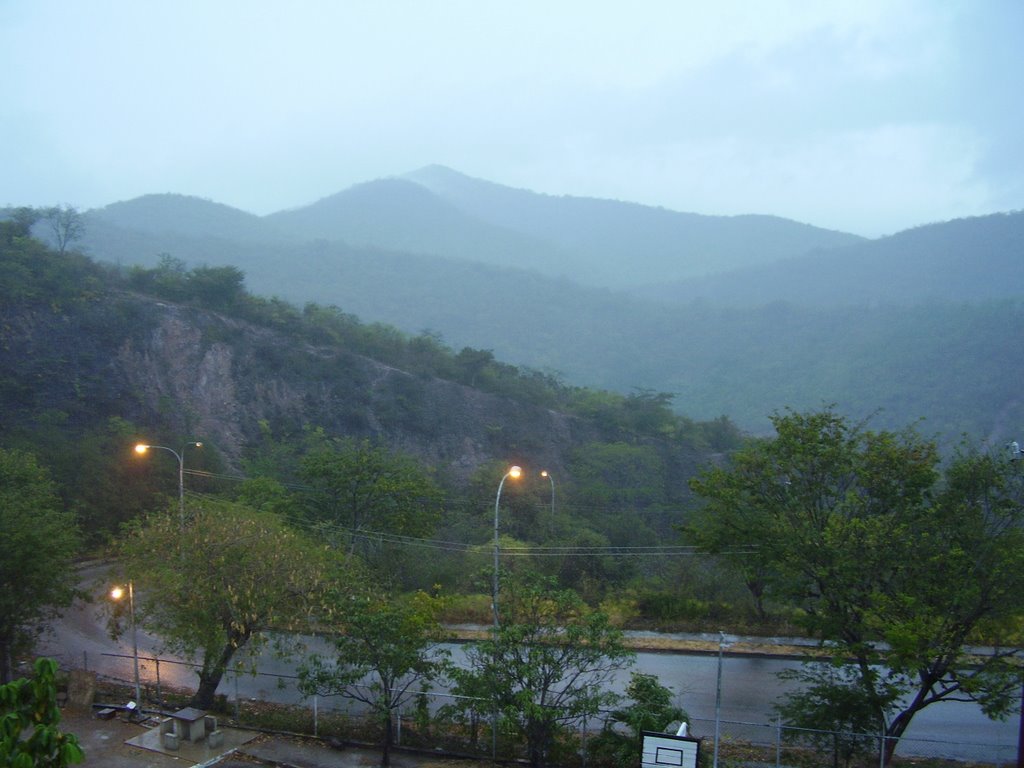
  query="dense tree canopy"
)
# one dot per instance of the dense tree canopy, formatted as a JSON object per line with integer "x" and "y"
{"x": 893, "y": 568}
{"x": 546, "y": 666}
{"x": 40, "y": 541}
{"x": 360, "y": 486}
{"x": 387, "y": 652}
{"x": 217, "y": 585}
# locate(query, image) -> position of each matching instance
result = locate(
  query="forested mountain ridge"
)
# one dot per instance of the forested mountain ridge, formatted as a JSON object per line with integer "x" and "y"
{"x": 437, "y": 211}
{"x": 187, "y": 216}
{"x": 972, "y": 259}
{"x": 921, "y": 325}
{"x": 614, "y": 244}
{"x": 95, "y": 358}
{"x": 397, "y": 215}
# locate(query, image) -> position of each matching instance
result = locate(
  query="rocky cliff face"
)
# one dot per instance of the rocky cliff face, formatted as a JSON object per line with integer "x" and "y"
{"x": 82, "y": 378}
{"x": 217, "y": 379}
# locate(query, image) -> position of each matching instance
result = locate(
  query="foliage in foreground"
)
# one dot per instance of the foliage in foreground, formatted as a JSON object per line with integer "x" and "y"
{"x": 40, "y": 541}
{"x": 650, "y": 708}
{"x": 29, "y": 719}
{"x": 545, "y": 667}
{"x": 218, "y": 583}
{"x": 894, "y": 565}
{"x": 387, "y": 653}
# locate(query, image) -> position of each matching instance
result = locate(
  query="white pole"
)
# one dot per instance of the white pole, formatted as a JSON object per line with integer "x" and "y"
{"x": 135, "y": 645}
{"x": 718, "y": 697}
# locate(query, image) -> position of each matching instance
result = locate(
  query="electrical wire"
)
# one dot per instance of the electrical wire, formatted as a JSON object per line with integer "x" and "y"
{"x": 324, "y": 528}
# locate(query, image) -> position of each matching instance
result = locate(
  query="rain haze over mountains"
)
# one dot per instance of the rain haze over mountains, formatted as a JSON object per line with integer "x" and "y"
{"x": 749, "y": 206}
{"x": 865, "y": 117}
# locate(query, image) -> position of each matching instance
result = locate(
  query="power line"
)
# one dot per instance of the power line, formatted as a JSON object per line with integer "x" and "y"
{"x": 525, "y": 550}
{"x": 512, "y": 550}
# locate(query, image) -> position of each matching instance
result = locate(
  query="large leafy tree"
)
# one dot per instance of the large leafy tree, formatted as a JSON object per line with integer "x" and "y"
{"x": 29, "y": 720}
{"x": 41, "y": 539}
{"x": 894, "y": 566}
{"x": 363, "y": 487}
{"x": 218, "y": 585}
{"x": 546, "y": 666}
{"x": 387, "y": 650}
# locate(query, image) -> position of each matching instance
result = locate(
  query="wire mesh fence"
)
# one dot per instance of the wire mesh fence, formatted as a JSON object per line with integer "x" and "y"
{"x": 273, "y": 700}
{"x": 781, "y": 745}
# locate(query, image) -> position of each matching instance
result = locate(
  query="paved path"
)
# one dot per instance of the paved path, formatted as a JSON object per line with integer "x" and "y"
{"x": 117, "y": 743}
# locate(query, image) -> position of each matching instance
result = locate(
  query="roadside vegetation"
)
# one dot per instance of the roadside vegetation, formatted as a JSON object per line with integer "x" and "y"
{"x": 898, "y": 560}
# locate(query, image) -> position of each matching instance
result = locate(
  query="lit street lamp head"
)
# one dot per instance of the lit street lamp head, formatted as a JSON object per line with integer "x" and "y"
{"x": 514, "y": 472}
{"x": 117, "y": 593}
{"x": 141, "y": 448}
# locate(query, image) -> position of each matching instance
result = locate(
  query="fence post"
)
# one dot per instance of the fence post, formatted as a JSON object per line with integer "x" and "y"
{"x": 316, "y": 715}
{"x": 778, "y": 741}
{"x": 159, "y": 693}
{"x": 881, "y": 749}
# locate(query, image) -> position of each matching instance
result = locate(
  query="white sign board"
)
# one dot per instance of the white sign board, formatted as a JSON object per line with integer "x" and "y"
{"x": 662, "y": 750}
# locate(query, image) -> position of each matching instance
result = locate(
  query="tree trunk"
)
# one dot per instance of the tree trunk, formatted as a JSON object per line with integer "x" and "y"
{"x": 212, "y": 672}
{"x": 6, "y": 663}
{"x": 385, "y": 757}
{"x": 207, "y": 690}
{"x": 893, "y": 734}
{"x": 537, "y": 744}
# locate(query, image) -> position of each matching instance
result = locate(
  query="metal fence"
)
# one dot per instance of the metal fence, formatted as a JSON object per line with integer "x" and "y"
{"x": 737, "y": 744}
{"x": 778, "y": 744}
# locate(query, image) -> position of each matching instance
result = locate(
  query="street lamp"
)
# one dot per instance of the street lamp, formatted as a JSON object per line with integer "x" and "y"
{"x": 514, "y": 473}
{"x": 546, "y": 473}
{"x": 722, "y": 645}
{"x": 141, "y": 449}
{"x": 117, "y": 593}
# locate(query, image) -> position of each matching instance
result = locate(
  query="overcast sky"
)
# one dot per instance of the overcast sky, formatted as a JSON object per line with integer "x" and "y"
{"x": 866, "y": 116}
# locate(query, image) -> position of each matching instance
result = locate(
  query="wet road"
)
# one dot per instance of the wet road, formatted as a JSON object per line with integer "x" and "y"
{"x": 750, "y": 686}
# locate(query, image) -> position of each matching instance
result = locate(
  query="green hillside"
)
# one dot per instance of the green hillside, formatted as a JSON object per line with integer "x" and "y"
{"x": 970, "y": 259}
{"x": 922, "y": 325}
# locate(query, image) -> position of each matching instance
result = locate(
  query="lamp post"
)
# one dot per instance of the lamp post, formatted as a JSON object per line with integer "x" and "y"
{"x": 142, "y": 448}
{"x": 718, "y": 696}
{"x": 546, "y": 473}
{"x": 117, "y": 593}
{"x": 513, "y": 472}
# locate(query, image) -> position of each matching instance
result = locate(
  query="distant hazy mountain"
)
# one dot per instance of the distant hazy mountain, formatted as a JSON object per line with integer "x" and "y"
{"x": 924, "y": 324}
{"x": 185, "y": 215}
{"x": 615, "y": 244}
{"x": 960, "y": 260}
{"x": 399, "y": 215}
{"x": 437, "y": 211}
